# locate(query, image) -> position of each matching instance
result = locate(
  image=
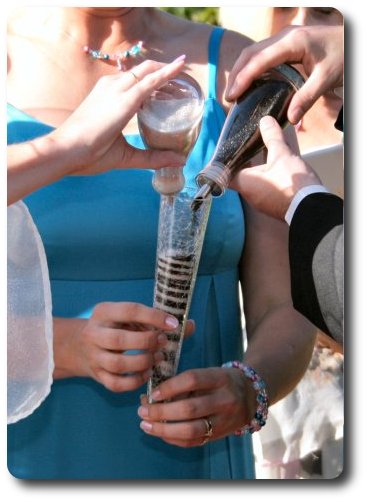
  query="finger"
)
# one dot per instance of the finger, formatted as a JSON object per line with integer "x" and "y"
{"x": 189, "y": 381}
{"x": 273, "y": 138}
{"x": 153, "y": 80}
{"x": 184, "y": 409}
{"x": 190, "y": 433}
{"x": 128, "y": 79}
{"x": 126, "y": 312}
{"x": 315, "y": 86}
{"x": 149, "y": 159}
{"x": 150, "y": 67}
{"x": 120, "y": 363}
{"x": 189, "y": 328}
{"x": 118, "y": 383}
{"x": 257, "y": 59}
{"x": 270, "y": 130}
{"x": 120, "y": 339}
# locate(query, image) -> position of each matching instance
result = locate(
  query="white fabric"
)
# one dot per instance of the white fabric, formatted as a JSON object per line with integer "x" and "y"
{"x": 30, "y": 354}
{"x": 300, "y": 195}
{"x": 308, "y": 419}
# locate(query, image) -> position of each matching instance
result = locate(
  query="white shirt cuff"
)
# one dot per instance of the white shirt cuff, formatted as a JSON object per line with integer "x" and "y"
{"x": 300, "y": 195}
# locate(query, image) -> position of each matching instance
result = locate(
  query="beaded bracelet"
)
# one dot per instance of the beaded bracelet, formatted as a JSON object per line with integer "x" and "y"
{"x": 262, "y": 399}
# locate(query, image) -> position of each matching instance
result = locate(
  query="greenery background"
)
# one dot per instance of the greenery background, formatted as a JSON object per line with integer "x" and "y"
{"x": 200, "y": 14}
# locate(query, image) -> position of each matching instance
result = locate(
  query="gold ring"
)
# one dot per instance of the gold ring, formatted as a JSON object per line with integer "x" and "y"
{"x": 133, "y": 74}
{"x": 209, "y": 428}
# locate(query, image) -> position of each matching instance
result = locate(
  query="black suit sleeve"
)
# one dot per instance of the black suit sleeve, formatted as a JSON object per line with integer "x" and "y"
{"x": 316, "y": 260}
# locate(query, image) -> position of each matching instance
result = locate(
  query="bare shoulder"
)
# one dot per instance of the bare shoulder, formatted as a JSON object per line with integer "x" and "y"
{"x": 192, "y": 39}
{"x": 232, "y": 45}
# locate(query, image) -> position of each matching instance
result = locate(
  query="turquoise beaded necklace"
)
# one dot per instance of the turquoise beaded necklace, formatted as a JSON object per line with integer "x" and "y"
{"x": 119, "y": 57}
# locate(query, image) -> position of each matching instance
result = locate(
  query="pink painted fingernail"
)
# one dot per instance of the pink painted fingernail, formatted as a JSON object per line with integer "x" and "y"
{"x": 143, "y": 412}
{"x": 156, "y": 395}
{"x": 146, "y": 426}
{"x": 179, "y": 59}
{"x": 172, "y": 322}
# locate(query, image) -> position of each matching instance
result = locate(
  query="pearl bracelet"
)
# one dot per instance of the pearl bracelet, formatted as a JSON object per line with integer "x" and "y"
{"x": 262, "y": 399}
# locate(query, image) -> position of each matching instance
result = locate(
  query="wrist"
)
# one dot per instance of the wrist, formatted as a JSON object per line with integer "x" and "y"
{"x": 61, "y": 153}
{"x": 66, "y": 335}
{"x": 258, "y": 402}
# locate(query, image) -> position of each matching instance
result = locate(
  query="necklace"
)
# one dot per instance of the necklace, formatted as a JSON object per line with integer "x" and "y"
{"x": 119, "y": 57}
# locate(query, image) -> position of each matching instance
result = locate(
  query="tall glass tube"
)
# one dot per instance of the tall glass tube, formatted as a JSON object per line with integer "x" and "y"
{"x": 181, "y": 234}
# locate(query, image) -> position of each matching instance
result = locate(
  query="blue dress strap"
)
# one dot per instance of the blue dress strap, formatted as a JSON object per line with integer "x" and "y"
{"x": 213, "y": 56}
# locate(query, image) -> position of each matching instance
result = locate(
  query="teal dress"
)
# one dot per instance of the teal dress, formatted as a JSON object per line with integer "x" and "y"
{"x": 100, "y": 235}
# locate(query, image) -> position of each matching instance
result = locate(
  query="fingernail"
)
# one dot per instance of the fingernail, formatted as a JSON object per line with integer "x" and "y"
{"x": 180, "y": 58}
{"x": 296, "y": 115}
{"x": 172, "y": 322}
{"x": 193, "y": 323}
{"x": 156, "y": 395}
{"x": 231, "y": 93}
{"x": 298, "y": 125}
{"x": 143, "y": 412}
{"x": 146, "y": 426}
{"x": 266, "y": 121}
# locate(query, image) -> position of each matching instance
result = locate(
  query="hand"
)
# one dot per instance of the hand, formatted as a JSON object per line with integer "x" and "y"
{"x": 90, "y": 141}
{"x": 222, "y": 395}
{"x": 92, "y": 134}
{"x": 98, "y": 347}
{"x": 318, "y": 48}
{"x": 270, "y": 188}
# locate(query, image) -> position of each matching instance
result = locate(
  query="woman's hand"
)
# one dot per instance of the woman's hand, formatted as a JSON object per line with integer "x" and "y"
{"x": 90, "y": 141}
{"x": 223, "y": 396}
{"x": 93, "y": 133}
{"x": 98, "y": 347}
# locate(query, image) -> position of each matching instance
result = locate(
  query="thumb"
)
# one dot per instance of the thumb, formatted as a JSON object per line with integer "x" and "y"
{"x": 150, "y": 159}
{"x": 273, "y": 137}
{"x": 270, "y": 130}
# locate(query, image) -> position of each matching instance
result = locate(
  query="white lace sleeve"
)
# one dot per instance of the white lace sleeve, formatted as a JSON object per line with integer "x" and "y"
{"x": 30, "y": 354}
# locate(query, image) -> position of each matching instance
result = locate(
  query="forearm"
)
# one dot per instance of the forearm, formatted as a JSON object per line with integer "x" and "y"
{"x": 280, "y": 348}
{"x": 34, "y": 164}
{"x": 65, "y": 333}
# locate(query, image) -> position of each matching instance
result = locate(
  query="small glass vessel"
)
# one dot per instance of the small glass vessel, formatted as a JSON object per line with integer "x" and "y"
{"x": 170, "y": 119}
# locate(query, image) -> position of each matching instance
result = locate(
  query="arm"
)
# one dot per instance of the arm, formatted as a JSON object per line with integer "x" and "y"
{"x": 280, "y": 347}
{"x": 90, "y": 140}
{"x": 318, "y": 48}
{"x": 280, "y": 340}
{"x": 316, "y": 240}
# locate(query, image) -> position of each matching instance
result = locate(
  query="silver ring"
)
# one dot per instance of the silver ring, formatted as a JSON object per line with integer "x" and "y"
{"x": 209, "y": 428}
{"x": 135, "y": 77}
